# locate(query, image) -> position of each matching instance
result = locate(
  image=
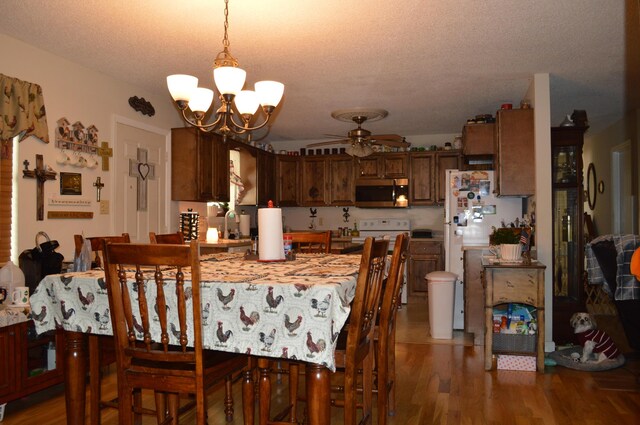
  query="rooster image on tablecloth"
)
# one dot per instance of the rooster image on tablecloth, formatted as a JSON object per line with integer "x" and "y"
{"x": 249, "y": 320}
{"x": 85, "y": 299}
{"x": 268, "y": 339}
{"x": 222, "y": 335}
{"x": 321, "y": 305}
{"x": 272, "y": 301}
{"x": 292, "y": 326}
{"x": 225, "y": 299}
{"x": 315, "y": 346}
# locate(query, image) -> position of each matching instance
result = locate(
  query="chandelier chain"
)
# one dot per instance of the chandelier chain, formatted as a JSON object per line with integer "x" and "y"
{"x": 225, "y": 39}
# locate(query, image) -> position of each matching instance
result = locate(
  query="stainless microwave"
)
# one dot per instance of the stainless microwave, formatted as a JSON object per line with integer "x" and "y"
{"x": 382, "y": 193}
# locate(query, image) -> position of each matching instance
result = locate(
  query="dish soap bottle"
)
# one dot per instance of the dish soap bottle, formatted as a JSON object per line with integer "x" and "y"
{"x": 355, "y": 232}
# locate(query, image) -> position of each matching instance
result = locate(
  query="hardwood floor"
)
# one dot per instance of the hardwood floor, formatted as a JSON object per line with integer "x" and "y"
{"x": 440, "y": 382}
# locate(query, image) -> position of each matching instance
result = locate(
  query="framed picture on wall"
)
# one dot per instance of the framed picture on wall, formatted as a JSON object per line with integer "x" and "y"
{"x": 70, "y": 184}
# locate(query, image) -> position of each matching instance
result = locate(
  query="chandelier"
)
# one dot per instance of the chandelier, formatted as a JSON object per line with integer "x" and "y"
{"x": 229, "y": 80}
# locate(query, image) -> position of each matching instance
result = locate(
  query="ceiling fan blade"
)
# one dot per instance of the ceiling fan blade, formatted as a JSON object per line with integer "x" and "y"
{"x": 387, "y": 137}
{"x": 331, "y": 142}
{"x": 335, "y": 136}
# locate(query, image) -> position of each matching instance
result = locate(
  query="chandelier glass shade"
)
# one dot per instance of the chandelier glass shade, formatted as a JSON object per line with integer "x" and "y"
{"x": 229, "y": 80}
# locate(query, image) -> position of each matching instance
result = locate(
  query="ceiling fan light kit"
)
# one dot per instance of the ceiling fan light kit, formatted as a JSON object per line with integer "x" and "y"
{"x": 229, "y": 80}
{"x": 361, "y": 140}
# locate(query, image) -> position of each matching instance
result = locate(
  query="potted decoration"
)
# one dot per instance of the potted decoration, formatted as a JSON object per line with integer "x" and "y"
{"x": 506, "y": 241}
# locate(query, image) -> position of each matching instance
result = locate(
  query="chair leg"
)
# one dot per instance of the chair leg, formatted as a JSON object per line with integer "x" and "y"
{"x": 248, "y": 394}
{"x": 350, "y": 398}
{"x": 161, "y": 406}
{"x": 137, "y": 402}
{"x": 294, "y": 370}
{"x": 228, "y": 398}
{"x": 383, "y": 380}
{"x": 173, "y": 402}
{"x": 94, "y": 380}
{"x": 265, "y": 391}
{"x": 125, "y": 405}
{"x": 367, "y": 388}
{"x": 391, "y": 374}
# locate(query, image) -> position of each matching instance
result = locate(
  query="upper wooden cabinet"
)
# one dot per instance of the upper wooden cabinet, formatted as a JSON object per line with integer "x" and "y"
{"x": 341, "y": 180}
{"x": 287, "y": 172}
{"x": 427, "y": 183}
{"x": 421, "y": 184}
{"x": 266, "y": 177}
{"x": 477, "y": 139}
{"x": 515, "y": 166}
{"x": 199, "y": 166}
{"x": 313, "y": 181}
{"x": 383, "y": 165}
{"x": 445, "y": 160}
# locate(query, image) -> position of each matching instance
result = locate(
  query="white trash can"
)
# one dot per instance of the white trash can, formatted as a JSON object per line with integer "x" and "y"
{"x": 441, "y": 288}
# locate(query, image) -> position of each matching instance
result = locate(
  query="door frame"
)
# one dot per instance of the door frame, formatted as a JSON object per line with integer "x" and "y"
{"x": 618, "y": 173}
{"x": 119, "y": 119}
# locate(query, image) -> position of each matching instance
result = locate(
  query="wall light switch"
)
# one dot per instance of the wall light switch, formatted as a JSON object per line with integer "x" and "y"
{"x": 104, "y": 207}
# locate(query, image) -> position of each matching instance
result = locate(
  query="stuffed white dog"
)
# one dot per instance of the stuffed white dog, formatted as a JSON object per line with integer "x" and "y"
{"x": 595, "y": 343}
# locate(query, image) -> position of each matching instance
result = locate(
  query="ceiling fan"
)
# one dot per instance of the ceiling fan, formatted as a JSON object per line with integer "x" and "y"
{"x": 361, "y": 140}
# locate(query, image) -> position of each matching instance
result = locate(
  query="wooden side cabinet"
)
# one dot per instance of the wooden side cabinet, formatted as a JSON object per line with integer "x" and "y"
{"x": 425, "y": 256}
{"x": 513, "y": 284}
{"x": 199, "y": 166}
{"x": 477, "y": 139}
{"x": 24, "y": 364}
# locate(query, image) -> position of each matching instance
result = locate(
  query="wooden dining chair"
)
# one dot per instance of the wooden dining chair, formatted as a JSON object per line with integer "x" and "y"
{"x": 311, "y": 242}
{"x": 354, "y": 349}
{"x": 173, "y": 361}
{"x": 96, "y": 246}
{"x": 101, "y": 348}
{"x": 385, "y": 331}
{"x": 166, "y": 238}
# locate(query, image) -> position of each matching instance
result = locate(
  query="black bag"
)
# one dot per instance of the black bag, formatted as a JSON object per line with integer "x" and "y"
{"x": 40, "y": 261}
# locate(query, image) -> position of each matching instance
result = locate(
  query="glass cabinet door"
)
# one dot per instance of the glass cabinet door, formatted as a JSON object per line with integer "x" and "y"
{"x": 567, "y": 269}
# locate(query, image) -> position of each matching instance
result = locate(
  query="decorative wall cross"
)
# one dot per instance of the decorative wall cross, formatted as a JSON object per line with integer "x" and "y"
{"x": 41, "y": 175}
{"x": 98, "y": 185}
{"x": 105, "y": 152}
{"x": 143, "y": 171}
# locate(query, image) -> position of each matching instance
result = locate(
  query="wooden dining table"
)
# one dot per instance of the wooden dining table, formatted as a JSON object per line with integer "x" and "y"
{"x": 271, "y": 310}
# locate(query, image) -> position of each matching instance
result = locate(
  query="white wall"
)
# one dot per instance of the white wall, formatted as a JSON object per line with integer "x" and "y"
{"x": 79, "y": 94}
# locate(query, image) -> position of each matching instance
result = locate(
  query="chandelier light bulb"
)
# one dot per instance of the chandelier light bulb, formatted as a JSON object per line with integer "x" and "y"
{"x": 201, "y": 99}
{"x": 181, "y": 86}
{"x": 247, "y": 102}
{"x": 229, "y": 79}
{"x": 269, "y": 92}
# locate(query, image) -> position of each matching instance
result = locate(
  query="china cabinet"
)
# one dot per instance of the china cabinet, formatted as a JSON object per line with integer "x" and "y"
{"x": 568, "y": 240}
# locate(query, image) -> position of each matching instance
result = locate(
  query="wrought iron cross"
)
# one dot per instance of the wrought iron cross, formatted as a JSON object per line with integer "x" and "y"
{"x": 41, "y": 175}
{"x": 98, "y": 185}
{"x": 142, "y": 171}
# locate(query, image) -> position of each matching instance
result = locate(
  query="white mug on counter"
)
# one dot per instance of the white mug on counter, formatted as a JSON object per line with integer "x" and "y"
{"x": 20, "y": 295}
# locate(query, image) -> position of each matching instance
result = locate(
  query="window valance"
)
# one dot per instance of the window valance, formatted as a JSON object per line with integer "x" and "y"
{"x": 22, "y": 111}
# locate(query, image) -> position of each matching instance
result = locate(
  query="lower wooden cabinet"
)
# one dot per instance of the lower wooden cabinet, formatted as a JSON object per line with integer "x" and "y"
{"x": 425, "y": 256}
{"x": 25, "y": 366}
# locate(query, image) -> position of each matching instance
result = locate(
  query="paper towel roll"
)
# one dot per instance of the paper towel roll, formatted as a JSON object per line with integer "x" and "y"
{"x": 270, "y": 245}
{"x": 245, "y": 225}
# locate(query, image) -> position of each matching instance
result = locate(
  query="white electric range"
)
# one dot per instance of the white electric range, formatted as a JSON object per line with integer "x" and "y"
{"x": 385, "y": 227}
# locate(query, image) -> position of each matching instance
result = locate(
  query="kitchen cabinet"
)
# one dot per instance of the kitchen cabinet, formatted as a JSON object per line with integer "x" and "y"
{"x": 341, "y": 180}
{"x": 477, "y": 139}
{"x": 427, "y": 185}
{"x": 513, "y": 284}
{"x": 425, "y": 256}
{"x": 287, "y": 178}
{"x": 383, "y": 165}
{"x": 445, "y": 160}
{"x": 313, "y": 182}
{"x": 421, "y": 183}
{"x": 266, "y": 177}
{"x": 199, "y": 166}
{"x": 24, "y": 366}
{"x": 567, "y": 229}
{"x": 515, "y": 166}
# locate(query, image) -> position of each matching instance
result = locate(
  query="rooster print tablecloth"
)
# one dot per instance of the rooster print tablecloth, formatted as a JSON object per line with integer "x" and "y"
{"x": 292, "y": 309}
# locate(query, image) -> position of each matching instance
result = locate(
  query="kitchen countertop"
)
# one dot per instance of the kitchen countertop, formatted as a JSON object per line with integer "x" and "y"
{"x": 226, "y": 243}
{"x": 346, "y": 247}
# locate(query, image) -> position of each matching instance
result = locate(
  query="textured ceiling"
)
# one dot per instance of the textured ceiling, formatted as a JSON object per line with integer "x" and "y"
{"x": 431, "y": 64}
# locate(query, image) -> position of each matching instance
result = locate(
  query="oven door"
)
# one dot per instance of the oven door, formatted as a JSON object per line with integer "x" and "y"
{"x": 382, "y": 193}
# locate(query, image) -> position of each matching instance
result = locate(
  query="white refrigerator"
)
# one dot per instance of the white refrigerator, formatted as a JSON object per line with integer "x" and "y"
{"x": 471, "y": 209}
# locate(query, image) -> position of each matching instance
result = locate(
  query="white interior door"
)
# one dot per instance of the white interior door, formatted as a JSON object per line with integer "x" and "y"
{"x": 141, "y": 173}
